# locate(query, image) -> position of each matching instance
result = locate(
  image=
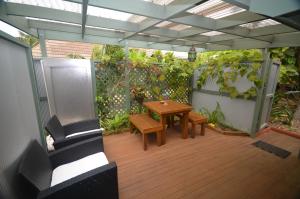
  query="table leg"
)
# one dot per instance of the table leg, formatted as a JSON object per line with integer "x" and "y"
{"x": 169, "y": 121}
{"x": 185, "y": 125}
{"x": 131, "y": 127}
{"x": 149, "y": 113}
{"x": 163, "y": 132}
{"x": 158, "y": 138}
{"x": 172, "y": 121}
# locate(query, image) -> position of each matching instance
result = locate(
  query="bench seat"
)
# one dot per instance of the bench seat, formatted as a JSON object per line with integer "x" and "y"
{"x": 196, "y": 118}
{"x": 145, "y": 124}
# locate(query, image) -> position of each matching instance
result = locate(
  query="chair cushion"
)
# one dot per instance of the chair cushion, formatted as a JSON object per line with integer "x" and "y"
{"x": 67, "y": 171}
{"x": 55, "y": 129}
{"x": 83, "y": 132}
{"x": 50, "y": 142}
{"x": 36, "y": 167}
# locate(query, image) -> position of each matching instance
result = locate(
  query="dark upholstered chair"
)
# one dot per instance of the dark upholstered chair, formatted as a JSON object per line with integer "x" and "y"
{"x": 76, "y": 171}
{"x": 72, "y": 133}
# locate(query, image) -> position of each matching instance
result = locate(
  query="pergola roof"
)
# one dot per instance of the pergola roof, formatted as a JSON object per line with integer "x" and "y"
{"x": 161, "y": 24}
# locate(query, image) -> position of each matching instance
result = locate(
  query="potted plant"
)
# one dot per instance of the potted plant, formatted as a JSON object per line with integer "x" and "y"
{"x": 139, "y": 94}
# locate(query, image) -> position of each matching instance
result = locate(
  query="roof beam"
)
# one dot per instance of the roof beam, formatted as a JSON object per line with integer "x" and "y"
{"x": 71, "y": 17}
{"x": 16, "y": 9}
{"x": 43, "y": 25}
{"x": 175, "y": 8}
{"x": 17, "y": 22}
{"x": 84, "y": 16}
{"x": 137, "y": 7}
{"x": 65, "y": 36}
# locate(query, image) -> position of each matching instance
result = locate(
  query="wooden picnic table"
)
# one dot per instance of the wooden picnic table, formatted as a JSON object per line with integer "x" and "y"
{"x": 170, "y": 108}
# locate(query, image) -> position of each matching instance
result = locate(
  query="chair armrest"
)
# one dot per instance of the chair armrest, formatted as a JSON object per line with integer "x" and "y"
{"x": 78, "y": 138}
{"x": 84, "y": 125}
{"x": 76, "y": 151}
{"x": 101, "y": 182}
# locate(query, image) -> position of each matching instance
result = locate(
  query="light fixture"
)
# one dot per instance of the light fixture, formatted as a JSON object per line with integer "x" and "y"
{"x": 192, "y": 54}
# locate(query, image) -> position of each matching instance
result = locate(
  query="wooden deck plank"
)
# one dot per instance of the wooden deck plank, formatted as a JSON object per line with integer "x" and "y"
{"x": 210, "y": 166}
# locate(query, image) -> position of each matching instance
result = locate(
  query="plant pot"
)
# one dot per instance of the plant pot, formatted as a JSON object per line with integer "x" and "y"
{"x": 140, "y": 100}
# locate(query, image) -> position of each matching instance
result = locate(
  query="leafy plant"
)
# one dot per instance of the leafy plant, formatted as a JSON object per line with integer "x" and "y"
{"x": 214, "y": 117}
{"x": 289, "y": 73}
{"x": 108, "y": 54}
{"x": 75, "y": 56}
{"x": 97, "y": 53}
{"x": 137, "y": 58}
{"x": 283, "y": 109}
{"x": 28, "y": 39}
{"x": 116, "y": 123}
{"x": 227, "y": 67}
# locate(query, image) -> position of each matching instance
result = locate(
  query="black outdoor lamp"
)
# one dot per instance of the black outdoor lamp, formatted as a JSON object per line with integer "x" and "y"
{"x": 192, "y": 54}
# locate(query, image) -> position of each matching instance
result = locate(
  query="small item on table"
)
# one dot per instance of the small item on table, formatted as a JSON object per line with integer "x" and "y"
{"x": 163, "y": 102}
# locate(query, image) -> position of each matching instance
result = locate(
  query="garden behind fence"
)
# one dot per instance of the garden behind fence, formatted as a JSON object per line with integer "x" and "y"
{"x": 116, "y": 84}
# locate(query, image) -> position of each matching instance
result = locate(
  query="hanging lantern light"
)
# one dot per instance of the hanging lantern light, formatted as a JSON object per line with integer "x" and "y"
{"x": 192, "y": 54}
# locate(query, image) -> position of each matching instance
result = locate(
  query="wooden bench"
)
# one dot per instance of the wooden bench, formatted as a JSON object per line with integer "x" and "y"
{"x": 145, "y": 124}
{"x": 196, "y": 118}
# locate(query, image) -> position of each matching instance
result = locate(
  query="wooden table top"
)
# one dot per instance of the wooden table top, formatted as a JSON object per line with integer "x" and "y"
{"x": 168, "y": 108}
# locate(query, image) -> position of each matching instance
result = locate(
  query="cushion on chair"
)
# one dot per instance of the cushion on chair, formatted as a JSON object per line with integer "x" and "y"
{"x": 83, "y": 132}
{"x": 55, "y": 129}
{"x": 73, "y": 169}
{"x": 36, "y": 167}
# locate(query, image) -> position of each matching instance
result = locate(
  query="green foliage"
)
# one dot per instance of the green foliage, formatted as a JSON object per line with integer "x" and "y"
{"x": 28, "y": 39}
{"x": 289, "y": 73}
{"x": 161, "y": 76}
{"x": 75, "y": 56}
{"x": 227, "y": 67}
{"x": 116, "y": 123}
{"x": 137, "y": 58}
{"x": 214, "y": 117}
{"x": 97, "y": 53}
{"x": 108, "y": 54}
{"x": 283, "y": 109}
{"x": 115, "y": 52}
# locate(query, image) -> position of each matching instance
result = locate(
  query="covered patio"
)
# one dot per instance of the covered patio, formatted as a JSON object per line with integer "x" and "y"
{"x": 213, "y": 166}
{"x": 58, "y": 106}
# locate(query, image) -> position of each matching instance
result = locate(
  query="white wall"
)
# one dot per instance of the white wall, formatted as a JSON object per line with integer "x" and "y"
{"x": 238, "y": 112}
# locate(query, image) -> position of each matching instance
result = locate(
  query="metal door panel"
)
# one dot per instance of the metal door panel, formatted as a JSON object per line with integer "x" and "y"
{"x": 69, "y": 89}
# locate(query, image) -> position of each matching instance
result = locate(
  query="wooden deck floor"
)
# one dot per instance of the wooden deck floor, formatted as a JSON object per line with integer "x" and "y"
{"x": 213, "y": 166}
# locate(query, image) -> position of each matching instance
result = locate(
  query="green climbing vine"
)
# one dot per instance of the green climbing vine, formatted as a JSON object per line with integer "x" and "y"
{"x": 227, "y": 67}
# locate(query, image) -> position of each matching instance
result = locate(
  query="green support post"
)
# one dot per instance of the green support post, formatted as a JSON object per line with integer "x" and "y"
{"x": 127, "y": 83}
{"x": 43, "y": 47}
{"x": 260, "y": 95}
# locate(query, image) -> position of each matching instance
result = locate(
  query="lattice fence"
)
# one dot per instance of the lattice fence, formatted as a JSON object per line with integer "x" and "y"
{"x": 114, "y": 86}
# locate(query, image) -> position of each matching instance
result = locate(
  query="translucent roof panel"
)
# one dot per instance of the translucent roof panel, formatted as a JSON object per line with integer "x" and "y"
{"x": 260, "y": 24}
{"x": 215, "y": 9}
{"x": 212, "y": 33}
{"x": 172, "y": 26}
{"x": 106, "y": 13}
{"x": 179, "y": 27}
{"x": 136, "y": 19}
{"x": 163, "y": 24}
{"x": 160, "y": 2}
{"x": 55, "y": 4}
{"x": 9, "y": 29}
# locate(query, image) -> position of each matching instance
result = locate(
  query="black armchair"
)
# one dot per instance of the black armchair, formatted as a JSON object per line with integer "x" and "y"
{"x": 72, "y": 133}
{"x": 37, "y": 172}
